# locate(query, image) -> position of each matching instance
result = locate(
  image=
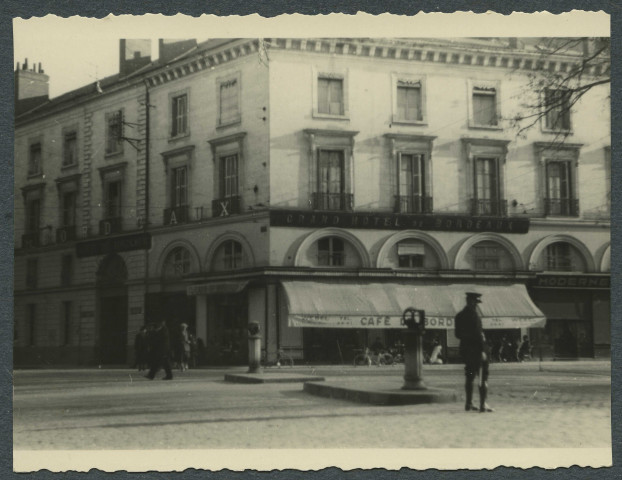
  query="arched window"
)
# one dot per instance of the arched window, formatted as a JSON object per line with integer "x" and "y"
{"x": 489, "y": 256}
{"x": 232, "y": 255}
{"x": 177, "y": 263}
{"x": 330, "y": 252}
{"x": 229, "y": 255}
{"x": 562, "y": 257}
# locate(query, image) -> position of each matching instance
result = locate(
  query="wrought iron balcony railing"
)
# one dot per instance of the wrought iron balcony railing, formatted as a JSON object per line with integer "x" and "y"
{"x": 223, "y": 207}
{"x": 488, "y": 207}
{"x": 110, "y": 225}
{"x": 332, "y": 201}
{"x": 30, "y": 240}
{"x": 66, "y": 234}
{"x": 565, "y": 207}
{"x": 413, "y": 204}
{"x": 176, "y": 215}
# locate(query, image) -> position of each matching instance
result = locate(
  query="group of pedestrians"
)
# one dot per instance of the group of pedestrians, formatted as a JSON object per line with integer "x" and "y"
{"x": 153, "y": 350}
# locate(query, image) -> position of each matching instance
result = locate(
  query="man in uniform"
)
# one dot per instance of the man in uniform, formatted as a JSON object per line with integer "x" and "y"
{"x": 474, "y": 351}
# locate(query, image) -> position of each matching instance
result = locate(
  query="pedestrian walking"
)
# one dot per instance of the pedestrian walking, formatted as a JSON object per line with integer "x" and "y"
{"x": 474, "y": 351}
{"x": 141, "y": 349}
{"x": 161, "y": 350}
{"x": 183, "y": 347}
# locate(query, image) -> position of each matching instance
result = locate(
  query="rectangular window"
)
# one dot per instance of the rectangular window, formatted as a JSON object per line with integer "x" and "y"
{"x": 180, "y": 115}
{"x": 485, "y": 106}
{"x": 33, "y": 215}
{"x": 330, "y": 252}
{"x": 32, "y": 272}
{"x": 486, "y": 257}
{"x": 69, "y": 209}
{"x": 66, "y": 270}
{"x": 410, "y": 254}
{"x": 557, "y": 109}
{"x": 34, "y": 159}
{"x": 487, "y": 198}
{"x": 229, "y": 176}
{"x": 179, "y": 185}
{"x": 70, "y": 149}
{"x": 409, "y": 102}
{"x": 114, "y": 132}
{"x": 412, "y": 183}
{"x": 32, "y": 319}
{"x": 112, "y": 199}
{"x": 331, "y": 180}
{"x": 330, "y": 96}
{"x": 558, "y": 257}
{"x": 229, "y": 102}
{"x": 558, "y": 186}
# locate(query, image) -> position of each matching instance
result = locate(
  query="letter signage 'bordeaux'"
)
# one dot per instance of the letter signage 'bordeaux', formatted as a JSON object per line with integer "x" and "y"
{"x": 397, "y": 221}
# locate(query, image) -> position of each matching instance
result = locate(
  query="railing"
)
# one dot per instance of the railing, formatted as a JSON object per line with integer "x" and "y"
{"x": 175, "y": 215}
{"x": 488, "y": 207}
{"x": 413, "y": 204}
{"x": 66, "y": 234}
{"x": 223, "y": 207}
{"x": 332, "y": 201}
{"x": 566, "y": 207}
{"x": 30, "y": 240}
{"x": 110, "y": 225}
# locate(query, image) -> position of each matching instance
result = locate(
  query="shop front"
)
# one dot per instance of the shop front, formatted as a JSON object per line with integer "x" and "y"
{"x": 340, "y": 318}
{"x": 577, "y": 307}
{"x": 222, "y": 320}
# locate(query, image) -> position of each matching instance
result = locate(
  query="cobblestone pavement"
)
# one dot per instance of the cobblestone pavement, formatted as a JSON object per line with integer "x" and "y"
{"x": 552, "y": 405}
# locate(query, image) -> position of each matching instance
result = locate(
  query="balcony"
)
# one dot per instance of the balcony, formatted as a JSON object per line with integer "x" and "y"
{"x": 223, "y": 207}
{"x": 413, "y": 204}
{"x": 489, "y": 207}
{"x": 31, "y": 240}
{"x": 563, "y": 207}
{"x": 176, "y": 215}
{"x": 66, "y": 234}
{"x": 333, "y": 201}
{"x": 111, "y": 225}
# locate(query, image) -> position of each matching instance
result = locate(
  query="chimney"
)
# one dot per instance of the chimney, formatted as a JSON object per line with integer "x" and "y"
{"x": 133, "y": 55}
{"x": 31, "y": 85}
{"x": 170, "y": 49}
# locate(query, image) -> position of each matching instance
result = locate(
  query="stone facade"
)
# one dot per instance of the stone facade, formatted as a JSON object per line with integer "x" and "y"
{"x": 220, "y": 143}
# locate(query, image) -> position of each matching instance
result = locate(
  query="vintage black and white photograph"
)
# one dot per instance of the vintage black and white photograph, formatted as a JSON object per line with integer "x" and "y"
{"x": 374, "y": 248}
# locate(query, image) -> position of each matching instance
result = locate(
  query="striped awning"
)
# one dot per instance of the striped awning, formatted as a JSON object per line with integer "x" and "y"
{"x": 347, "y": 304}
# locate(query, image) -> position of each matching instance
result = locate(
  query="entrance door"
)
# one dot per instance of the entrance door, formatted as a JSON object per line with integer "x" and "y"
{"x": 113, "y": 329}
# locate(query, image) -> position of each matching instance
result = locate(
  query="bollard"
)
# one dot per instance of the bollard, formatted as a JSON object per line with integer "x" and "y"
{"x": 254, "y": 347}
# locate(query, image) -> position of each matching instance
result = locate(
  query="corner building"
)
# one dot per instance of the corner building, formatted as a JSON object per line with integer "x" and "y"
{"x": 317, "y": 187}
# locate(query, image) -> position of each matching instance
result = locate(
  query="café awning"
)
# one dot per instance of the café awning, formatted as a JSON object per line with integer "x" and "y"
{"x": 347, "y": 304}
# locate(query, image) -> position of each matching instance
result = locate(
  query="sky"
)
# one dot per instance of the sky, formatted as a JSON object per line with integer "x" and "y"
{"x": 76, "y": 51}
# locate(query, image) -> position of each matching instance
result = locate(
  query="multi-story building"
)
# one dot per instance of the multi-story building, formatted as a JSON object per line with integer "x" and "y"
{"x": 316, "y": 187}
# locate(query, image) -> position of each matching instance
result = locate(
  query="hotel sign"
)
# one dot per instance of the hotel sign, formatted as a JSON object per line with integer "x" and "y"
{"x": 397, "y": 221}
{"x": 125, "y": 243}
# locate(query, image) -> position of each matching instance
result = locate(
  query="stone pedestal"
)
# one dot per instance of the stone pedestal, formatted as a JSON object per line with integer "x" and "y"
{"x": 413, "y": 361}
{"x": 254, "y": 353}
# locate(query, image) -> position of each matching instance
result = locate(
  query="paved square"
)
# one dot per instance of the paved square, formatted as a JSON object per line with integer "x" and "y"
{"x": 566, "y": 405}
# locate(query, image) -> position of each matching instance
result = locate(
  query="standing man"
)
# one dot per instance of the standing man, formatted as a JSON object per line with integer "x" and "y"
{"x": 474, "y": 351}
{"x": 161, "y": 352}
